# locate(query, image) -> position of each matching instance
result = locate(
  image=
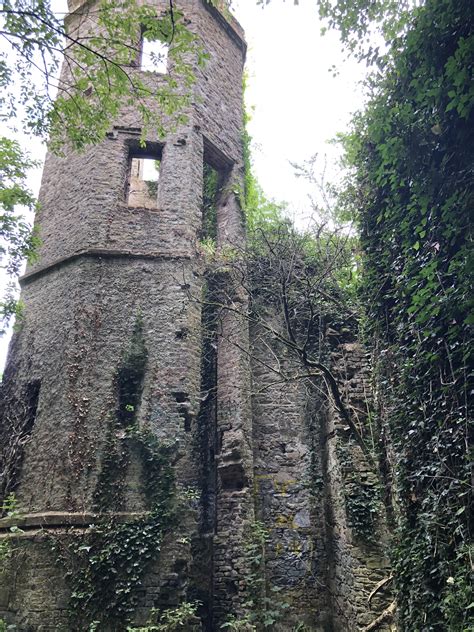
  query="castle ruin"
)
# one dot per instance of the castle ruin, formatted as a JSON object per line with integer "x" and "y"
{"x": 113, "y": 339}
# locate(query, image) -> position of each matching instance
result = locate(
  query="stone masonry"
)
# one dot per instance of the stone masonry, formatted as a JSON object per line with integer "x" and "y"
{"x": 113, "y": 267}
{"x": 308, "y": 477}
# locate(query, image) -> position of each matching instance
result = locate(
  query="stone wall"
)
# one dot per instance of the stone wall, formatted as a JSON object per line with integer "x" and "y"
{"x": 107, "y": 270}
{"x": 288, "y": 481}
{"x": 76, "y": 363}
{"x": 315, "y": 491}
{"x": 119, "y": 293}
{"x": 357, "y": 527}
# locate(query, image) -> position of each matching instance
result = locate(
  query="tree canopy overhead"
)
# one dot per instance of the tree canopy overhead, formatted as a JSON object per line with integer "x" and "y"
{"x": 100, "y": 53}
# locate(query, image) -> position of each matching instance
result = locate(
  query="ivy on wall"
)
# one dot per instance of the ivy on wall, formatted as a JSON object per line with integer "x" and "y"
{"x": 411, "y": 154}
{"x": 105, "y": 567}
{"x": 264, "y": 607}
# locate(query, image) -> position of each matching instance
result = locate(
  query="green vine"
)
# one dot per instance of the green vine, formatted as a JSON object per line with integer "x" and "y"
{"x": 363, "y": 508}
{"x": 411, "y": 154}
{"x": 362, "y": 496}
{"x": 172, "y": 619}
{"x": 263, "y": 612}
{"x": 105, "y": 568}
{"x": 9, "y": 509}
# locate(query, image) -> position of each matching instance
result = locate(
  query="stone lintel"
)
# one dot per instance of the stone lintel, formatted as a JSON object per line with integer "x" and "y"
{"x": 215, "y": 157}
{"x": 65, "y": 519}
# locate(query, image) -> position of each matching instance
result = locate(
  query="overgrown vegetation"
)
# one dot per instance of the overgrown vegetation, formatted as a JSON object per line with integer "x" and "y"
{"x": 17, "y": 240}
{"x": 8, "y": 509}
{"x": 171, "y": 620}
{"x": 106, "y": 567}
{"x": 411, "y": 156}
{"x": 264, "y": 608}
{"x": 363, "y": 509}
{"x": 209, "y": 207}
{"x": 98, "y": 75}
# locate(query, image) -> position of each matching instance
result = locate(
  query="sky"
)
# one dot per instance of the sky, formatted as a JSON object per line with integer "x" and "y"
{"x": 296, "y": 103}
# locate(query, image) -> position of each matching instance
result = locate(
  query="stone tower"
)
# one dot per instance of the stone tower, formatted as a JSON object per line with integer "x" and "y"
{"x": 142, "y": 468}
{"x": 111, "y": 337}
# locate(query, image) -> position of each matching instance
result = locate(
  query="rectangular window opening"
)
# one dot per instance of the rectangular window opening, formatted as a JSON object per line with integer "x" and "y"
{"x": 144, "y": 175}
{"x": 154, "y": 55}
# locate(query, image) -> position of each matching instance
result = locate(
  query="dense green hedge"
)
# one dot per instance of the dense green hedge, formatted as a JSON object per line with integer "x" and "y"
{"x": 411, "y": 154}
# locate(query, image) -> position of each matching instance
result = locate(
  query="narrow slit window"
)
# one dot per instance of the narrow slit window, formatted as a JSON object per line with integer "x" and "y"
{"x": 154, "y": 55}
{"x": 211, "y": 188}
{"x": 143, "y": 181}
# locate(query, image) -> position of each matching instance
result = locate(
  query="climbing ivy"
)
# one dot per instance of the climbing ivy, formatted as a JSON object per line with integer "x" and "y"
{"x": 105, "y": 568}
{"x": 363, "y": 509}
{"x": 263, "y": 608}
{"x": 411, "y": 155}
{"x": 172, "y": 619}
{"x": 8, "y": 509}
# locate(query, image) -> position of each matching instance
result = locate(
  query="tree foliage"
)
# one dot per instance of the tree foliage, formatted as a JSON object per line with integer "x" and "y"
{"x": 17, "y": 241}
{"x": 365, "y": 27}
{"x": 100, "y": 51}
{"x": 411, "y": 155}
